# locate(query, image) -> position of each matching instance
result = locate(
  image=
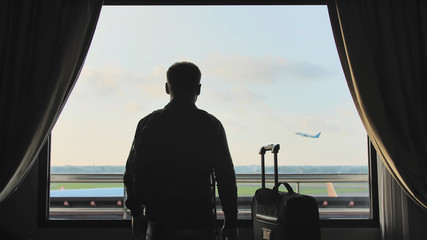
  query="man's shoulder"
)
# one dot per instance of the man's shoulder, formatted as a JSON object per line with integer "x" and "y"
{"x": 207, "y": 116}
{"x": 150, "y": 117}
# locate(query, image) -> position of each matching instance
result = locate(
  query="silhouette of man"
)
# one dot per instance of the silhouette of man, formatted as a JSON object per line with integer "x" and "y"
{"x": 167, "y": 176}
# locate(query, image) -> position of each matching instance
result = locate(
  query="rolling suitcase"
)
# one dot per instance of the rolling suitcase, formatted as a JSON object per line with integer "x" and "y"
{"x": 280, "y": 215}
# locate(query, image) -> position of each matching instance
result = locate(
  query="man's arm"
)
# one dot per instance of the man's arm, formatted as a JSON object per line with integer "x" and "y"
{"x": 139, "y": 223}
{"x": 226, "y": 179}
{"x": 132, "y": 201}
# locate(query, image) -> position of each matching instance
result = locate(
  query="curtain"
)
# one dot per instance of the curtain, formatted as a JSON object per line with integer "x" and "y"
{"x": 43, "y": 44}
{"x": 393, "y": 204}
{"x": 400, "y": 218}
{"x": 383, "y": 50}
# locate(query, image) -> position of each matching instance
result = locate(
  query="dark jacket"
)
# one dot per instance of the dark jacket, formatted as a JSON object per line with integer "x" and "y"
{"x": 168, "y": 169}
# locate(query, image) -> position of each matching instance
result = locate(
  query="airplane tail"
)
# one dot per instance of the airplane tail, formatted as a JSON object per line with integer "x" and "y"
{"x": 318, "y": 135}
{"x": 331, "y": 190}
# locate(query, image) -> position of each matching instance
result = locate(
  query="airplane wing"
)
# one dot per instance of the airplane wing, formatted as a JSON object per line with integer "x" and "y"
{"x": 308, "y": 135}
{"x": 302, "y": 134}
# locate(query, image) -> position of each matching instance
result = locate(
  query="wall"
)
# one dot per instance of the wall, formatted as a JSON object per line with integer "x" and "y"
{"x": 18, "y": 217}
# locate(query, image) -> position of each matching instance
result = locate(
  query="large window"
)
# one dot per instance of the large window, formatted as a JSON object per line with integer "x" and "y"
{"x": 271, "y": 74}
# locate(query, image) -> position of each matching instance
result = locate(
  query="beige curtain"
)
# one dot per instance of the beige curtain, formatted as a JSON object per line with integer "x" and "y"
{"x": 43, "y": 44}
{"x": 383, "y": 50}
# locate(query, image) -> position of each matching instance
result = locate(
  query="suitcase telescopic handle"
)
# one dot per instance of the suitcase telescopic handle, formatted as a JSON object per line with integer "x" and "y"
{"x": 274, "y": 148}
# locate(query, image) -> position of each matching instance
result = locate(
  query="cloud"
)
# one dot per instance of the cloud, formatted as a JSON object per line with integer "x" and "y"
{"x": 113, "y": 79}
{"x": 153, "y": 82}
{"x": 118, "y": 90}
{"x": 134, "y": 107}
{"x": 260, "y": 70}
{"x": 237, "y": 97}
{"x": 106, "y": 80}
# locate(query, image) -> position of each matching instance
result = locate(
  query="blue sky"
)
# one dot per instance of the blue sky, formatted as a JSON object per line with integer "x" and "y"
{"x": 267, "y": 72}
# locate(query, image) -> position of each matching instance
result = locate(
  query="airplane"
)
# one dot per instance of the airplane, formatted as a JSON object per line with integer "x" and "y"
{"x": 308, "y": 135}
{"x": 331, "y": 190}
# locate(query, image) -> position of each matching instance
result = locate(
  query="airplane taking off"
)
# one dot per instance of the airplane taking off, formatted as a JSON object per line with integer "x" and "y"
{"x": 308, "y": 135}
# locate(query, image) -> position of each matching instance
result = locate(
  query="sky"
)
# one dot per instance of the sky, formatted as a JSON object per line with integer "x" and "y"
{"x": 267, "y": 73}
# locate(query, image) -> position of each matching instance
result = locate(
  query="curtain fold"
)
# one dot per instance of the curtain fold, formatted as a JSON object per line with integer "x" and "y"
{"x": 393, "y": 204}
{"x": 43, "y": 44}
{"x": 383, "y": 50}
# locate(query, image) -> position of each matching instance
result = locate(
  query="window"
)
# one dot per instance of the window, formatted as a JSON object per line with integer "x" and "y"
{"x": 270, "y": 74}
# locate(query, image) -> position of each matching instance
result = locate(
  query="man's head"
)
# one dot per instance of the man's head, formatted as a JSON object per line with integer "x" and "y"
{"x": 183, "y": 80}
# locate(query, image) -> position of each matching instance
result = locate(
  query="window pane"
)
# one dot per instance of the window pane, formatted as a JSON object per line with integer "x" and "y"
{"x": 271, "y": 74}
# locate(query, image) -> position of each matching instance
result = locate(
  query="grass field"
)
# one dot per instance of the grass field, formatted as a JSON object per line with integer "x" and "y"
{"x": 57, "y": 186}
{"x": 243, "y": 189}
{"x": 311, "y": 189}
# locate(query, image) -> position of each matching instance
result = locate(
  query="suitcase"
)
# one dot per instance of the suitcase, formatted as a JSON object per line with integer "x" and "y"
{"x": 280, "y": 215}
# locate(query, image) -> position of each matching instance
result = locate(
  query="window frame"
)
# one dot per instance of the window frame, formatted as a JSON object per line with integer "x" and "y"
{"x": 44, "y": 158}
{"x": 44, "y": 200}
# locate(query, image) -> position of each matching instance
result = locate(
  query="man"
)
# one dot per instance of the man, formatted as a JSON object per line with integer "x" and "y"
{"x": 168, "y": 170}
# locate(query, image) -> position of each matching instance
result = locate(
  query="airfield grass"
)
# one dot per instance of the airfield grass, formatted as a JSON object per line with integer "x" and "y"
{"x": 57, "y": 186}
{"x": 243, "y": 189}
{"x": 311, "y": 189}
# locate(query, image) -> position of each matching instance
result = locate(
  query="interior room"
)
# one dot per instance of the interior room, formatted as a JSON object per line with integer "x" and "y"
{"x": 339, "y": 84}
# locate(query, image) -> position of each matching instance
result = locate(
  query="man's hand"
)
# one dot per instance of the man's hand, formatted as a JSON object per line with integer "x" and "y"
{"x": 229, "y": 233}
{"x": 139, "y": 226}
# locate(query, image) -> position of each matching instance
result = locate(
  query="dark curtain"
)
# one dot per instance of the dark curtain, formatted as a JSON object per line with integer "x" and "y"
{"x": 383, "y": 50}
{"x": 43, "y": 44}
{"x": 395, "y": 220}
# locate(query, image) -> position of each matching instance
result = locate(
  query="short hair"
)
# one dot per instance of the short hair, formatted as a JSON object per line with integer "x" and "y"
{"x": 183, "y": 77}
